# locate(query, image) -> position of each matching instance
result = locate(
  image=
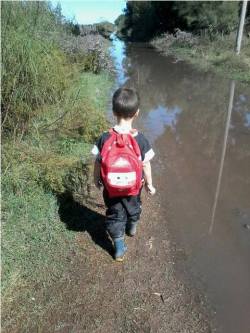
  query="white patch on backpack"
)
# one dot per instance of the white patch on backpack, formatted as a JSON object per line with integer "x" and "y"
{"x": 122, "y": 179}
{"x": 121, "y": 162}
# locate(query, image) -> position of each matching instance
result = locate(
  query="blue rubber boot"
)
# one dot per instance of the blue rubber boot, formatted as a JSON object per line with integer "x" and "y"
{"x": 120, "y": 248}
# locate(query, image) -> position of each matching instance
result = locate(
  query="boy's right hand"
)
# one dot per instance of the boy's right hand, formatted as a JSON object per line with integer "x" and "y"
{"x": 98, "y": 184}
{"x": 150, "y": 189}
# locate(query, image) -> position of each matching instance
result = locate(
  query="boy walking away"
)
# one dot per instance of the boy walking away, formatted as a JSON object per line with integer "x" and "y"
{"x": 122, "y": 166}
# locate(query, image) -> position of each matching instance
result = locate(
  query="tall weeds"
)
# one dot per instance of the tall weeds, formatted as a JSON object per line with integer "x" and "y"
{"x": 34, "y": 70}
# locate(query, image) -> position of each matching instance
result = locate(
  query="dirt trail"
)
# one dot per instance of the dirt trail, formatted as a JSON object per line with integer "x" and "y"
{"x": 141, "y": 294}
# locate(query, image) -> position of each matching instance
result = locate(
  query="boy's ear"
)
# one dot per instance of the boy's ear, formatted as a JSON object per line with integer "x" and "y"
{"x": 137, "y": 113}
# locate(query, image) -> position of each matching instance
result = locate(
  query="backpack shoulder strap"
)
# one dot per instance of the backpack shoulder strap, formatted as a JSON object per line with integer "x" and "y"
{"x": 121, "y": 139}
{"x": 108, "y": 142}
{"x": 135, "y": 145}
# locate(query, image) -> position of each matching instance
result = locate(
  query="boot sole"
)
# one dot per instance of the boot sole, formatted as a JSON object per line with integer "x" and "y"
{"x": 119, "y": 259}
{"x": 131, "y": 235}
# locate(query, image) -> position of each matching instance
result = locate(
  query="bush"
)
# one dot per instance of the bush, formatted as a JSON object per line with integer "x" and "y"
{"x": 180, "y": 38}
{"x": 90, "y": 51}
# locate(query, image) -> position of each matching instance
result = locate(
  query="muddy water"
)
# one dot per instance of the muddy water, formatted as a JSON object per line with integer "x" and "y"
{"x": 202, "y": 173}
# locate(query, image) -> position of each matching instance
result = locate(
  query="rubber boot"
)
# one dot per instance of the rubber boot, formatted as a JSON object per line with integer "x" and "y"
{"x": 120, "y": 248}
{"x": 131, "y": 231}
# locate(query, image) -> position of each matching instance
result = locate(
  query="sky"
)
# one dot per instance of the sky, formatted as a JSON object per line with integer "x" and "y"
{"x": 88, "y": 12}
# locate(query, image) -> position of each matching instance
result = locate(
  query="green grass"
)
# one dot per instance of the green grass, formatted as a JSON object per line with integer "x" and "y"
{"x": 33, "y": 237}
{"x": 34, "y": 248}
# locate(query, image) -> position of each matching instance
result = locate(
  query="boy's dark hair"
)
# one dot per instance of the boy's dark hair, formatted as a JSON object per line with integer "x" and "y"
{"x": 125, "y": 102}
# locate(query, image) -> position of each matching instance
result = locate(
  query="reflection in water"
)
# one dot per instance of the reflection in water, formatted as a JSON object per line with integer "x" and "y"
{"x": 117, "y": 51}
{"x": 242, "y": 108}
{"x": 229, "y": 113}
{"x": 159, "y": 119}
{"x": 247, "y": 122}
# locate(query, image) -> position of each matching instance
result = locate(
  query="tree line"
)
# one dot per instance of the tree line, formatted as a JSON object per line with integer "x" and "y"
{"x": 143, "y": 20}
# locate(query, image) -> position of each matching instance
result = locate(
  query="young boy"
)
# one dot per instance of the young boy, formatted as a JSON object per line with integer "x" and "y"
{"x": 123, "y": 212}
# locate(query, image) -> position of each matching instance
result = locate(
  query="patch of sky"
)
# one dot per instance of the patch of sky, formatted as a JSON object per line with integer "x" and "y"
{"x": 159, "y": 119}
{"x": 89, "y": 12}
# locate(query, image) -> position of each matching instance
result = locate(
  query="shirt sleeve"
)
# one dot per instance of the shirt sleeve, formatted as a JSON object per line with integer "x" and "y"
{"x": 149, "y": 155}
{"x": 98, "y": 145}
{"x": 147, "y": 152}
{"x": 94, "y": 150}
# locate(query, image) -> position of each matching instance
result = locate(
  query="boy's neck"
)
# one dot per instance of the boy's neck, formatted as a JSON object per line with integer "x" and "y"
{"x": 125, "y": 122}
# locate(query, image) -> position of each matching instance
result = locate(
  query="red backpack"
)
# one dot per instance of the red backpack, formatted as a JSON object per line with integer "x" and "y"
{"x": 121, "y": 165}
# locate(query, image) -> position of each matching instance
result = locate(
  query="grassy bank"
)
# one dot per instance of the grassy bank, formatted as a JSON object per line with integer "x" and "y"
{"x": 35, "y": 243}
{"x": 54, "y": 100}
{"x": 215, "y": 54}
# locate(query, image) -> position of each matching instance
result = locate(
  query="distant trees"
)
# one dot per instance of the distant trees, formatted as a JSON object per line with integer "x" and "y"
{"x": 105, "y": 28}
{"x": 142, "y": 20}
{"x": 219, "y": 16}
{"x": 247, "y": 22}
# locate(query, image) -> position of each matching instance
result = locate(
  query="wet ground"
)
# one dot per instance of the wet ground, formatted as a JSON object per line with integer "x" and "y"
{"x": 201, "y": 171}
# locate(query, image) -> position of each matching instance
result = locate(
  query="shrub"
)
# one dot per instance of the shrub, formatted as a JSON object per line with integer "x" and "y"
{"x": 89, "y": 50}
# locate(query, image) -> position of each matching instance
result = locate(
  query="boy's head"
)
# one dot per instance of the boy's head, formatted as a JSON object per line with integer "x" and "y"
{"x": 125, "y": 103}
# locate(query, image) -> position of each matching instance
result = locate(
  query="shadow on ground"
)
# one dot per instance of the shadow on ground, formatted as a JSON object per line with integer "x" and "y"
{"x": 80, "y": 218}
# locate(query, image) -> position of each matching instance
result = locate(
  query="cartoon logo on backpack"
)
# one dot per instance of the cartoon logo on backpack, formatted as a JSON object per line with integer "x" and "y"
{"x": 121, "y": 165}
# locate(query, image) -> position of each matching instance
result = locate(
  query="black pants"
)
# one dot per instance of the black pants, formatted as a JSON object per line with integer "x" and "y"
{"x": 121, "y": 211}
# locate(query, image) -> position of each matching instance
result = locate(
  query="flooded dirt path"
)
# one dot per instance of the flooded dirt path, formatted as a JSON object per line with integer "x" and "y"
{"x": 202, "y": 173}
{"x": 187, "y": 270}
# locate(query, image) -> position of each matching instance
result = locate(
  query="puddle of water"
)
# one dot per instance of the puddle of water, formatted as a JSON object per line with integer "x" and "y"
{"x": 202, "y": 172}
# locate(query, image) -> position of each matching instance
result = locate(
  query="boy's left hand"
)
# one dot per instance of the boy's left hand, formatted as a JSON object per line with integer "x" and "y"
{"x": 150, "y": 189}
